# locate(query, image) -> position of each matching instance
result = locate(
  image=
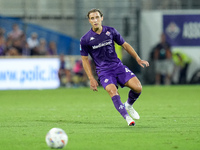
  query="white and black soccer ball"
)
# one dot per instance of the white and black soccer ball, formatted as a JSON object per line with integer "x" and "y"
{"x": 56, "y": 138}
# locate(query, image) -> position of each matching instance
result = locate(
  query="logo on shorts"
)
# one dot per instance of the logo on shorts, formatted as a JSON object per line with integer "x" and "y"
{"x": 127, "y": 70}
{"x": 106, "y": 80}
{"x": 121, "y": 107}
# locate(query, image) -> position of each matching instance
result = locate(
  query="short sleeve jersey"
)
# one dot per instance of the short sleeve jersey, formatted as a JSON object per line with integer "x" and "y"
{"x": 101, "y": 47}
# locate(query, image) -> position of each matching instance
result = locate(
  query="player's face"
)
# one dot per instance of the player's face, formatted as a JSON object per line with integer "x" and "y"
{"x": 95, "y": 20}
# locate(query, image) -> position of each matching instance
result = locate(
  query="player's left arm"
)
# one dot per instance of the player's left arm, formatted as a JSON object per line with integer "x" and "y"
{"x": 133, "y": 53}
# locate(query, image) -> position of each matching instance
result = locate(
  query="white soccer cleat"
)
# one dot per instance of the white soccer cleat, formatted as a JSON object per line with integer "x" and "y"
{"x": 132, "y": 111}
{"x": 130, "y": 121}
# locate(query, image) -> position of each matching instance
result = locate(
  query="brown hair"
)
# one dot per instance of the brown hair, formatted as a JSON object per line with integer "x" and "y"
{"x": 94, "y": 10}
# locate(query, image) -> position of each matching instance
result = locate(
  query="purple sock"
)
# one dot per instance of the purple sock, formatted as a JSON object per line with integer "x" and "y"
{"x": 132, "y": 97}
{"x": 119, "y": 106}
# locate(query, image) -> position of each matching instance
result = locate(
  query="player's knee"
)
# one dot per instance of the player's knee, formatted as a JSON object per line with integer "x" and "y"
{"x": 138, "y": 89}
{"x": 112, "y": 90}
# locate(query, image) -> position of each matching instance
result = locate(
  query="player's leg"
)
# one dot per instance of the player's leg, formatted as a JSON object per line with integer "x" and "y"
{"x": 127, "y": 78}
{"x": 109, "y": 82}
{"x": 136, "y": 89}
{"x": 113, "y": 92}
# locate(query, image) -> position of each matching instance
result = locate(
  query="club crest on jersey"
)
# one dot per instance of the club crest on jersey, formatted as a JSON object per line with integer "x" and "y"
{"x": 91, "y": 38}
{"x": 108, "y": 33}
{"x": 106, "y": 80}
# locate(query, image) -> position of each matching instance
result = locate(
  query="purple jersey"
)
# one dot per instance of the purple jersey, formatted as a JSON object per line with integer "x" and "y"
{"x": 101, "y": 47}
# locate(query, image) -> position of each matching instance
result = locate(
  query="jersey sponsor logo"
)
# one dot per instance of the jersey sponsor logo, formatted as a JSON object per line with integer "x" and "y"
{"x": 102, "y": 44}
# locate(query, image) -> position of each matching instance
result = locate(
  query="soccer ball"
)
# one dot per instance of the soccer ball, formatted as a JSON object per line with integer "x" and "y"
{"x": 56, "y": 138}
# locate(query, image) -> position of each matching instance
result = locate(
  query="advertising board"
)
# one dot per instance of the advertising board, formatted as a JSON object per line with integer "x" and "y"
{"x": 29, "y": 73}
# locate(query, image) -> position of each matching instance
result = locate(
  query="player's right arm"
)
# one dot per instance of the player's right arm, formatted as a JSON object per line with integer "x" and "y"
{"x": 88, "y": 70}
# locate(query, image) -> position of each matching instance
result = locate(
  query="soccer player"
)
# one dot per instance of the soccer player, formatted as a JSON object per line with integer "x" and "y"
{"x": 99, "y": 44}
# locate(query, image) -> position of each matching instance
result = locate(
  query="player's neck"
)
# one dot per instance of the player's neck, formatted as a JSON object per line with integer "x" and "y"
{"x": 98, "y": 30}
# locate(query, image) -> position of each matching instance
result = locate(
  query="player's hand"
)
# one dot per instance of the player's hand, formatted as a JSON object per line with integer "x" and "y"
{"x": 93, "y": 85}
{"x": 142, "y": 63}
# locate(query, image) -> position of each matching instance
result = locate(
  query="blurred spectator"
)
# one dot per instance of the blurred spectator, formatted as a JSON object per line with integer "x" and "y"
{"x": 163, "y": 61}
{"x": 9, "y": 42}
{"x": 80, "y": 77}
{"x": 12, "y": 52}
{"x": 17, "y": 45}
{"x": 16, "y": 32}
{"x": 42, "y": 48}
{"x": 2, "y": 42}
{"x": 181, "y": 61}
{"x": 33, "y": 43}
{"x": 2, "y": 45}
{"x": 24, "y": 45}
{"x": 23, "y": 39}
{"x": 64, "y": 72}
{"x": 25, "y": 49}
{"x": 52, "y": 49}
{"x": 2, "y": 32}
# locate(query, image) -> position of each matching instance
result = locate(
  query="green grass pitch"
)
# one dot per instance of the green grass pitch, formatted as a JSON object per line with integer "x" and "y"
{"x": 170, "y": 119}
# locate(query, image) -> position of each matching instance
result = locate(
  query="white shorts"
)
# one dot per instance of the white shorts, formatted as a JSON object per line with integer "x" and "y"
{"x": 164, "y": 66}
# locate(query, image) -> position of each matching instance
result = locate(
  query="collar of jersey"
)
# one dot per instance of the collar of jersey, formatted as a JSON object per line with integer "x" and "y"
{"x": 94, "y": 33}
